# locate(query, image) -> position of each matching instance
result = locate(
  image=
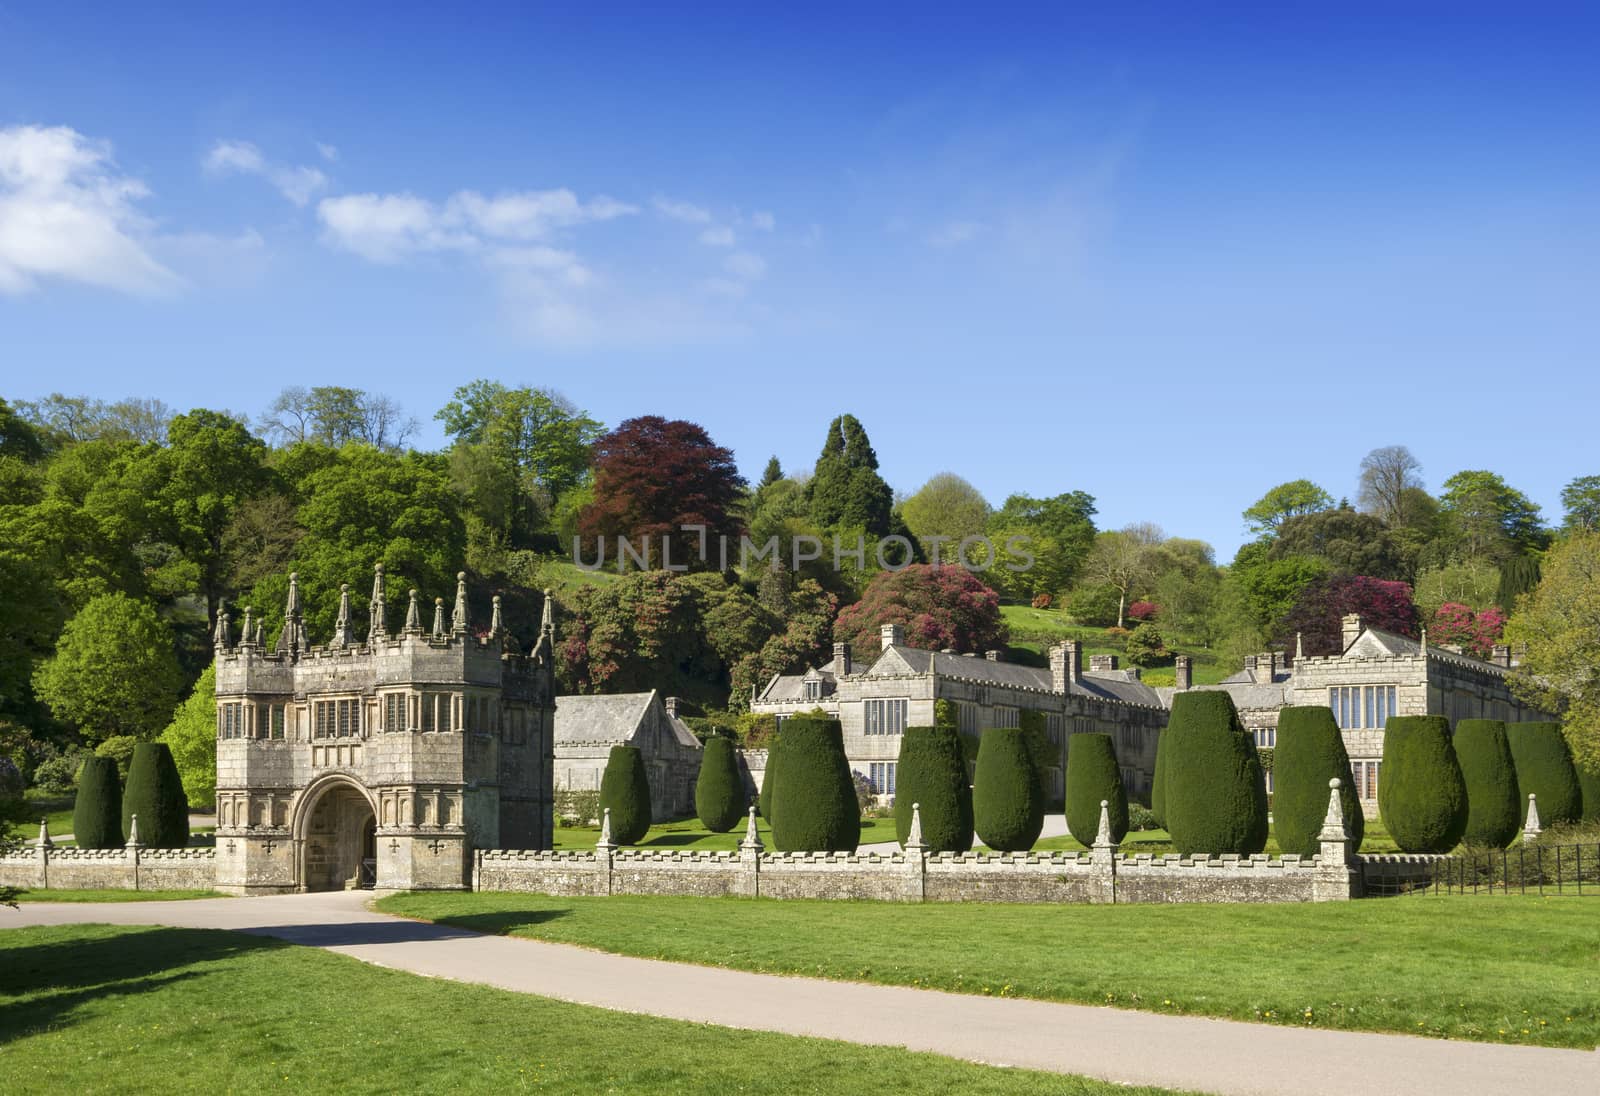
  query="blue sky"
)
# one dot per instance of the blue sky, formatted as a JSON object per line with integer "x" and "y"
{"x": 1167, "y": 254}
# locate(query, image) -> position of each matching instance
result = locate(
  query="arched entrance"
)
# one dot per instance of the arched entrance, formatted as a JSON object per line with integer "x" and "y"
{"x": 338, "y": 839}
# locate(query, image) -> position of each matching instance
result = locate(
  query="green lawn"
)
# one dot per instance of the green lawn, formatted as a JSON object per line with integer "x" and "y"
{"x": 1517, "y": 970}
{"x": 1035, "y": 630}
{"x": 102, "y": 1009}
{"x": 690, "y": 834}
{"x": 55, "y": 809}
{"x": 54, "y": 895}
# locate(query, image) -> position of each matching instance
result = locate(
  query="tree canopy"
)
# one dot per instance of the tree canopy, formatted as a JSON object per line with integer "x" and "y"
{"x": 1285, "y": 501}
{"x": 939, "y": 607}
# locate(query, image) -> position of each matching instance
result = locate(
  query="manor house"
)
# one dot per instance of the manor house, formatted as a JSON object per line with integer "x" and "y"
{"x": 382, "y": 762}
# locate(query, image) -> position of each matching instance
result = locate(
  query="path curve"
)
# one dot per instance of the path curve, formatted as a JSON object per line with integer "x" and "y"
{"x": 1219, "y": 1056}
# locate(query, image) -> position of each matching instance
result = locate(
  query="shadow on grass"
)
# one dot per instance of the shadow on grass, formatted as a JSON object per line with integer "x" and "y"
{"x": 354, "y": 934}
{"x": 504, "y": 922}
{"x": 42, "y": 984}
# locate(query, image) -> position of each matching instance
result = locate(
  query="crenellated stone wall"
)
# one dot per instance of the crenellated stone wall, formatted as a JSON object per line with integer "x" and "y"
{"x": 130, "y": 868}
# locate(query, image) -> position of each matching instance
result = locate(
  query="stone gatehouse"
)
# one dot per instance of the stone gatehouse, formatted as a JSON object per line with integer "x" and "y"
{"x": 384, "y": 762}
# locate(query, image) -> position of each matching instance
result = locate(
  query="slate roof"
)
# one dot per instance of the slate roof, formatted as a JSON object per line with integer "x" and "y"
{"x": 610, "y": 720}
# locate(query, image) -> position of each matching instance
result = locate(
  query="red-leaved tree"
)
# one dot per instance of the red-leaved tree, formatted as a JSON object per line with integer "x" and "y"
{"x": 1475, "y": 633}
{"x": 1143, "y": 610}
{"x": 939, "y": 607}
{"x": 652, "y": 476}
{"x": 1321, "y": 607}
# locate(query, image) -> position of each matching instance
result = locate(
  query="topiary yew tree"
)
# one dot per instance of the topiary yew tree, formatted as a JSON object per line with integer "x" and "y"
{"x": 1310, "y": 752}
{"x": 1158, "y": 782}
{"x": 1494, "y": 806}
{"x": 1215, "y": 796}
{"x": 1421, "y": 796}
{"x": 769, "y": 778}
{"x": 932, "y": 773}
{"x": 1093, "y": 775}
{"x": 625, "y": 789}
{"x": 938, "y": 606}
{"x": 97, "y": 811}
{"x": 155, "y": 794}
{"x": 1544, "y": 769}
{"x": 815, "y": 798}
{"x": 1589, "y": 785}
{"x": 1007, "y": 801}
{"x": 719, "y": 797}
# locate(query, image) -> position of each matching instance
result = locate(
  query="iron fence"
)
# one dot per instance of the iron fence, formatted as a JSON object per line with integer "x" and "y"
{"x": 1521, "y": 869}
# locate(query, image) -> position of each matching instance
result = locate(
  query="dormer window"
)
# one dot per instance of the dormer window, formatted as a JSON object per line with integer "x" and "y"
{"x": 813, "y": 690}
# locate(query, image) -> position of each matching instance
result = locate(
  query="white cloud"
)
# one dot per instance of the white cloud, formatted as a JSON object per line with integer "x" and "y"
{"x": 298, "y": 184}
{"x": 954, "y": 233}
{"x": 717, "y": 236}
{"x": 327, "y": 152}
{"x": 386, "y": 227}
{"x": 680, "y": 211}
{"x": 746, "y": 265}
{"x": 529, "y": 214}
{"x": 65, "y": 213}
{"x": 766, "y": 222}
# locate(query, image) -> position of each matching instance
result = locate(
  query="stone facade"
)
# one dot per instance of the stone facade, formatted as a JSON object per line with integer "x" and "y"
{"x": 588, "y": 726}
{"x": 875, "y": 702}
{"x": 385, "y": 762}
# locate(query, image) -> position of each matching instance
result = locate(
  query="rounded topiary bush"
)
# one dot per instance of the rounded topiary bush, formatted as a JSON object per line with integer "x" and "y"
{"x": 1310, "y": 752}
{"x": 1092, "y": 776}
{"x": 815, "y": 798}
{"x": 625, "y": 789}
{"x": 1545, "y": 769}
{"x": 1215, "y": 795}
{"x": 1007, "y": 801}
{"x": 1494, "y": 807}
{"x": 932, "y": 773}
{"x": 97, "y": 812}
{"x": 719, "y": 797}
{"x": 155, "y": 794}
{"x": 1421, "y": 796}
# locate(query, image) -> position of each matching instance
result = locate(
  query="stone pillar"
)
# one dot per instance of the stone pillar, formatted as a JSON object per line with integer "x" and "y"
{"x": 1185, "y": 672}
{"x": 131, "y": 849}
{"x": 42, "y": 849}
{"x": 1336, "y": 876}
{"x": 916, "y": 863}
{"x": 1103, "y": 855}
{"x": 748, "y": 883}
{"x": 605, "y": 848}
{"x": 1531, "y": 829}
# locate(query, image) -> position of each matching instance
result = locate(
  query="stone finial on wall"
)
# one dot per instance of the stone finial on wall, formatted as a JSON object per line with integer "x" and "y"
{"x": 292, "y": 640}
{"x": 752, "y": 836}
{"x": 219, "y": 637}
{"x": 341, "y": 626}
{"x": 438, "y": 618}
{"x": 914, "y": 838}
{"x": 377, "y": 626}
{"x": 1531, "y": 829}
{"x": 605, "y": 841}
{"x": 247, "y": 637}
{"x": 413, "y": 616}
{"x": 458, "y": 616}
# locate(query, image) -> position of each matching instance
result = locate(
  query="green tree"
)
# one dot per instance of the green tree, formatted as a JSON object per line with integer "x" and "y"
{"x": 1093, "y": 776}
{"x": 845, "y": 490}
{"x": 1287, "y": 500}
{"x": 719, "y": 796}
{"x": 815, "y": 797}
{"x": 1519, "y": 575}
{"x": 18, "y": 437}
{"x": 334, "y": 415}
{"x": 155, "y": 793}
{"x": 1214, "y": 794}
{"x": 1387, "y": 473}
{"x": 1475, "y": 585}
{"x": 114, "y": 670}
{"x": 1579, "y": 498}
{"x": 1422, "y": 798}
{"x": 1348, "y": 542}
{"x": 1060, "y": 533}
{"x": 932, "y": 774}
{"x": 625, "y": 791}
{"x": 1488, "y": 519}
{"x": 1123, "y": 559}
{"x": 1494, "y": 806}
{"x": 1545, "y": 769}
{"x": 1007, "y": 794}
{"x": 1310, "y": 752}
{"x": 97, "y": 810}
{"x": 946, "y": 507}
{"x": 1560, "y": 625}
{"x": 192, "y": 737}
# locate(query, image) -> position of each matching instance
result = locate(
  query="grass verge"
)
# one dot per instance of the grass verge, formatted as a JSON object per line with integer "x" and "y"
{"x": 102, "y": 1009}
{"x": 1514, "y": 970}
{"x": 54, "y": 895}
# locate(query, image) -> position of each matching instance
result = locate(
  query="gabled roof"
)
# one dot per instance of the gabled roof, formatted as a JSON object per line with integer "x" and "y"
{"x": 600, "y": 720}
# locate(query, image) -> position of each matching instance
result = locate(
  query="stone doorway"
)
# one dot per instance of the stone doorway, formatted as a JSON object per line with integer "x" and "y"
{"x": 340, "y": 841}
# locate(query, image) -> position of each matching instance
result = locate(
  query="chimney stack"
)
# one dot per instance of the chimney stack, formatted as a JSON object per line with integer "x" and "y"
{"x": 671, "y": 705}
{"x": 994, "y": 655}
{"x": 1185, "y": 672}
{"x": 841, "y": 659}
{"x": 1350, "y": 626}
{"x": 1264, "y": 668}
{"x": 1502, "y": 655}
{"x": 893, "y": 635}
{"x": 1066, "y": 666}
{"x": 1100, "y": 664}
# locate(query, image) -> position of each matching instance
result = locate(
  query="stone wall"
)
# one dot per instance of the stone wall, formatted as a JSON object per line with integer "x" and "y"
{"x": 131, "y": 868}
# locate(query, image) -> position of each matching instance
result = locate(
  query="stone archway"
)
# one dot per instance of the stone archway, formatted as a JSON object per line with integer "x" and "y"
{"x": 337, "y": 838}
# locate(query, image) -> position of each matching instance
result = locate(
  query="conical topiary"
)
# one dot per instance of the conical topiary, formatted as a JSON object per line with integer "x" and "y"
{"x": 97, "y": 811}
{"x": 719, "y": 798}
{"x": 155, "y": 794}
{"x": 1007, "y": 802}
{"x": 625, "y": 791}
{"x": 1158, "y": 783}
{"x": 1092, "y": 776}
{"x": 1494, "y": 807}
{"x": 815, "y": 800}
{"x": 1589, "y": 786}
{"x": 769, "y": 778}
{"x": 1421, "y": 796}
{"x": 1310, "y": 752}
{"x": 932, "y": 773}
{"x": 1545, "y": 769}
{"x": 1215, "y": 793}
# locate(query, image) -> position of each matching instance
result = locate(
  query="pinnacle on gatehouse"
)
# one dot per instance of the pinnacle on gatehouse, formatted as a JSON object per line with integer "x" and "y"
{"x": 377, "y": 627}
{"x": 261, "y": 636}
{"x": 292, "y": 639}
{"x": 1299, "y": 648}
{"x": 496, "y": 624}
{"x": 438, "y": 618}
{"x": 341, "y": 627}
{"x": 547, "y": 618}
{"x": 249, "y": 638}
{"x": 458, "y": 618}
{"x": 413, "y": 616}
{"x": 219, "y": 638}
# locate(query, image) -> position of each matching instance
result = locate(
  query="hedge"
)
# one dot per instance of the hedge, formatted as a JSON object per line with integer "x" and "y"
{"x": 1310, "y": 752}
{"x": 1421, "y": 796}
{"x": 1215, "y": 796}
{"x": 1494, "y": 806}
{"x": 625, "y": 789}
{"x": 719, "y": 795}
{"x": 1092, "y": 776}
{"x": 932, "y": 772}
{"x": 97, "y": 811}
{"x": 1046, "y": 754}
{"x": 1545, "y": 769}
{"x": 1007, "y": 801}
{"x": 815, "y": 798}
{"x": 155, "y": 794}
